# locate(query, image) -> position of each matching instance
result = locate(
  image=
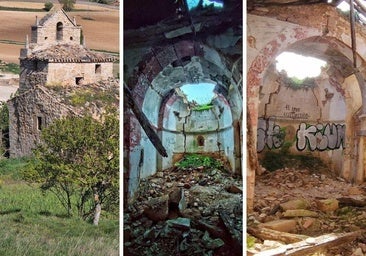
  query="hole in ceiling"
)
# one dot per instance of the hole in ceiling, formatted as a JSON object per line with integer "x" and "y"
{"x": 299, "y": 66}
{"x": 205, "y": 3}
{"x": 199, "y": 94}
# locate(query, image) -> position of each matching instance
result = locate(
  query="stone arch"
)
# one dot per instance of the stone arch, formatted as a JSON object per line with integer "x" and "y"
{"x": 59, "y": 31}
{"x": 290, "y": 38}
{"x": 173, "y": 65}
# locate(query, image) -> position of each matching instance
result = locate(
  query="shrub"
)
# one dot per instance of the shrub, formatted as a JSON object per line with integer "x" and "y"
{"x": 48, "y": 6}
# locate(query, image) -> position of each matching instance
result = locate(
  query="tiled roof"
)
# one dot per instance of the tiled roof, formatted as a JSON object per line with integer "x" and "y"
{"x": 69, "y": 53}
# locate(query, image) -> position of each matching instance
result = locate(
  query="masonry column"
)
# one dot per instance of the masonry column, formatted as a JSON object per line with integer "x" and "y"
{"x": 361, "y": 156}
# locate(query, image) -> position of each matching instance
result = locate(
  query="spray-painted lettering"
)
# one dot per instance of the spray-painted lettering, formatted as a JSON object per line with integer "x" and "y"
{"x": 269, "y": 134}
{"x": 320, "y": 137}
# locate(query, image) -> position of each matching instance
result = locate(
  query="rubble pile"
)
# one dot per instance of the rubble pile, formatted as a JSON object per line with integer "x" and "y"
{"x": 186, "y": 211}
{"x": 303, "y": 205}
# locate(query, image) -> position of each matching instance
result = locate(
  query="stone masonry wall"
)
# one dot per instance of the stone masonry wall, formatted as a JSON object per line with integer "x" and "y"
{"x": 44, "y": 34}
{"x": 66, "y": 73}
{"x": 28, "y": 114}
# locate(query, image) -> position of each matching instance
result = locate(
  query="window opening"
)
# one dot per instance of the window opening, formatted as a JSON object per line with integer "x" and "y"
{"x": 79, "y": 80}
{"x": 205, "y": 3}
{"x": 39, "y": 123}
{"x": 200, "y": 140}
{"x": 98, "y": 68}
{"x": 71, "y": 38}
{"x": 59, "y": 31}
{"x": 299, "y": 66}
{"x": 201, "y": 93}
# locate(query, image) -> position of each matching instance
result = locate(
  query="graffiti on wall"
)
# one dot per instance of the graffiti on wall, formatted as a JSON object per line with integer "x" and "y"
{"x": 294, "y": 113}
{"x": 268, "y": 134}
{"x": 313, "y": 137}
{"x": 320, "y": 137}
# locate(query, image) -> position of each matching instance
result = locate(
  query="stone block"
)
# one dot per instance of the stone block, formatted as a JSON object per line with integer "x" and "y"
{"x": 295, "y": 204}
{"x": 299, "y": 213}
{"x": 327, "y": 205}
{"x": 281, "y": 225}
{"x": 157, "y": 208}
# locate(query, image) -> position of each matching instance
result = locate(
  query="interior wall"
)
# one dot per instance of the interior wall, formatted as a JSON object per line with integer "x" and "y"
{"x": 161, "y": 71}
{"x": 312, "y": 117}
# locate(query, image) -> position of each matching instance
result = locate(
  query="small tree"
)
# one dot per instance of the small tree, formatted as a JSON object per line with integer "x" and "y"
{"x": 48, "y": 6}
{"x": 78, "y": 160}
{"x": 67, "y": 5}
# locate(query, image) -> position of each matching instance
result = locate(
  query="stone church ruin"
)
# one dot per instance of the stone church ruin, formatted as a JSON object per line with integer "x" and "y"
{"x": 319, "y": 120}
{"x": 182, "y": 158}
{"x": 55, "y": 64}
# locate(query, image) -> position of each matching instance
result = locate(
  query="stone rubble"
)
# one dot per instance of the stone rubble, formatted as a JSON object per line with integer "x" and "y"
{"x": 308, "y": 203}
{"x": 192, "y": 211}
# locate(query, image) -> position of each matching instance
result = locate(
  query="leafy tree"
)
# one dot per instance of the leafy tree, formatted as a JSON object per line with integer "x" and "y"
{"x": 67, "y": 5}
{"x": 48, "y": 6}
{"x": 78, "y": 160}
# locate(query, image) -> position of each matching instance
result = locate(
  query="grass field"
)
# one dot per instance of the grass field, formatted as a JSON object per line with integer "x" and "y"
{"x": 100, "y": 27}
{"x": 35, "y": 224}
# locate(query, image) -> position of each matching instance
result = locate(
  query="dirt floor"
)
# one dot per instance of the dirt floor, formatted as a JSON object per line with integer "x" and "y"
{"x": 100, "y": 27}
{"x": 332, "y": 206}
{"x": 185, "y": 212}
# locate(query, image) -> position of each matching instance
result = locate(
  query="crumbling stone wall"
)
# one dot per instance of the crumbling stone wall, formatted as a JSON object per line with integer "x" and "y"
{"x": 29, "y": 113}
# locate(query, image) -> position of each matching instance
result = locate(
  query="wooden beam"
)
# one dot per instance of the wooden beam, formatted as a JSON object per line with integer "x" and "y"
{"x": 270, "y": 234}
{"x": 312, "y": 245}
{"x": 144, "y": 121}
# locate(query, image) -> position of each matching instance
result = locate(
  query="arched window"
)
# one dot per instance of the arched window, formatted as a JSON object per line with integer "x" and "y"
{"x": 59, "y": 31}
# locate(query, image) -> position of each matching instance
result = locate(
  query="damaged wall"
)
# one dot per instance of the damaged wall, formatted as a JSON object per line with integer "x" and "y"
{"x": 319, "y": 32}
{"x": 311, "y": 116}
{"x": 153, "y": 84}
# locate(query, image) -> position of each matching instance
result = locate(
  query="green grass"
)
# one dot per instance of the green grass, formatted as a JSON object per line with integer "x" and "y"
{"x": 10, "y": 67}
{"x": 34, "y": 223}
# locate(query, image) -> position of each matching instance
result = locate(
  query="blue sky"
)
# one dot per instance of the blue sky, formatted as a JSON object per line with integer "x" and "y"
{"x": 193, "y": 3}
{"x": 202, "y": 93}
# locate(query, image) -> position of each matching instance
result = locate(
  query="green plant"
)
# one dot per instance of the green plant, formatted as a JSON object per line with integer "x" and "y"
{"x": 67, "y": 5}
{"x": 203, "y": 107}
{"x": 48, "y": 6}
{"x": 197, "y": 160}
{"x": 78, "y": 157}
{"x": 10, "y": 67}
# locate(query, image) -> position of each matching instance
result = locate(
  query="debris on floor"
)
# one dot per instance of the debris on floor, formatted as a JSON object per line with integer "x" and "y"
{"x": 301, "y": 212}
{"x": 186, "y": 211}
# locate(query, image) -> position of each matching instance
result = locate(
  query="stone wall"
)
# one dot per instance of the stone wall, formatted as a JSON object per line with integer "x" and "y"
{"x": 45, "y": 32}
{"x": 68, "y": 73}
{"x": 29, "y": 113}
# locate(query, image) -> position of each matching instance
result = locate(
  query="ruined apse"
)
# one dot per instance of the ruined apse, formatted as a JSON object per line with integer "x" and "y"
{"x": 324, "y": 118}
{"x": 55, "y": 57}
{"x": 155, "y": 72}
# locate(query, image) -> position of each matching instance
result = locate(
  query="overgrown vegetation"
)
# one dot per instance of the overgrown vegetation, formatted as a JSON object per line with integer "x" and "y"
{"x": 67, "y": 5}
{"x": 198, "y": 160}
{"x": 36, "y": 224}
{"x": 83, "y": 96}
{"x": 278, "y": 159}
{"x": 79, "y": 158}
{"x": 48, "y": 6}
{"x": 203, "y": 107}
{"x": 4, "y": 130}
{"x": 9, "y": 67}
